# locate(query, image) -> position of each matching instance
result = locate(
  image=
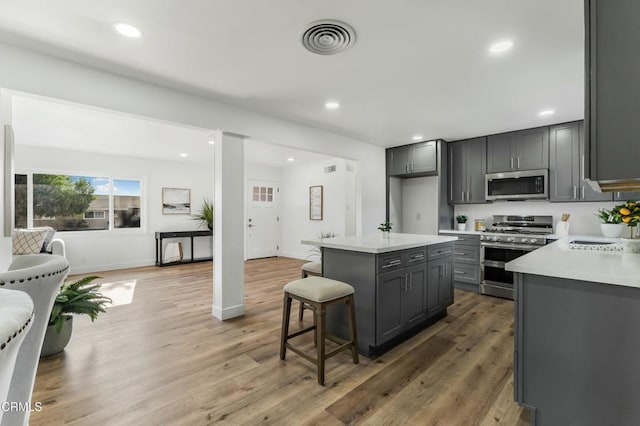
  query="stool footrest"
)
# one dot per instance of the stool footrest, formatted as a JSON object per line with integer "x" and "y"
{"x": 337, "y": 350}
{"x": 302, "y": 331}
{"x": 302, "y": 354}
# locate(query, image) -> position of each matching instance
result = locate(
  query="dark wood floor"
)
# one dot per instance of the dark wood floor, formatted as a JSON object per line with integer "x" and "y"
{"x": 164, "y": 359}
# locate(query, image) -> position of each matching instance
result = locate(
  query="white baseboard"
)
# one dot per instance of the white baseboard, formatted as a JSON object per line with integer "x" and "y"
{"x": 228, "y": 313}
{"x": 297, "y": 255}
{"x": 84, "y": 269}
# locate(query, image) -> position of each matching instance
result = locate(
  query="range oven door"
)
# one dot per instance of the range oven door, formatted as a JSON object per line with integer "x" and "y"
{"x": 495, "y": 280}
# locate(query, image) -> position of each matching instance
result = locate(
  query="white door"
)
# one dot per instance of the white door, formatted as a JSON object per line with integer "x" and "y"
{"x": 262, "y": 219}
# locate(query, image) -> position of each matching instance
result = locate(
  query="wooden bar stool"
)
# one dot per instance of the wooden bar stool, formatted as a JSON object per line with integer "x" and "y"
{"x": 309, "y": 269}
{"x": 318, "y": 293}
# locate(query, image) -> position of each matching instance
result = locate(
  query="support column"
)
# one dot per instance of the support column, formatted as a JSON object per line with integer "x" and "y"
{"x": 6, "y": 180}
{"x": 228, "y": 275}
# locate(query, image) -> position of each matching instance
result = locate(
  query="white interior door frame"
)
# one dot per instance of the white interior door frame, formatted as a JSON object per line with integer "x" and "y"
{"x": 262, "y": 218}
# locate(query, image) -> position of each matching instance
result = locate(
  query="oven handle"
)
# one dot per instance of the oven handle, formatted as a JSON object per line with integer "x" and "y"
{"x": 493, "y": 264}
{"x": 510, "y": 246}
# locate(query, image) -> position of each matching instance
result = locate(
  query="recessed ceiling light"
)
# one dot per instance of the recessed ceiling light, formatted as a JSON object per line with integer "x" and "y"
{"x": 332, "y": 105}
{"x": 501, "y": 46}
{"x": 291, "y": 159}
{"x": 417, "y": 137}
{"x": 184, "y": 155}
{"x": 127, "y": 30}
{"x": 211, "y": 142}
{"x": 546, "y": 112}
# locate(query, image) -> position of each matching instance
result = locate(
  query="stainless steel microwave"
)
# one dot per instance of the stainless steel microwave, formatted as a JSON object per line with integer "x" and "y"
{"x": 521, "y": 185}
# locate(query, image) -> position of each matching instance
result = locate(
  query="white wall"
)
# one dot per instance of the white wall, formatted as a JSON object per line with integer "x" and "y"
{"x": 294, "y": 203}
{"x": 104, "y": 250}
{"x": 37, "y": 73}
{"x": 420, "y": 205}
{"x": 583, "y": 220}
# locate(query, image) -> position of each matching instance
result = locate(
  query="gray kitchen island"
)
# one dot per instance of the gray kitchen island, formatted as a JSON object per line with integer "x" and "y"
{"x": 577, "y": 338}
{"x": 402, "y": 284}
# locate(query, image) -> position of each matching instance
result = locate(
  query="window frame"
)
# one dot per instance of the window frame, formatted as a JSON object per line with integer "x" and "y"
{"x": 143, "y": 200}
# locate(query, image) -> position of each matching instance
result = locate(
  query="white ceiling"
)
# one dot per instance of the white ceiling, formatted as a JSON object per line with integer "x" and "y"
{"x": 42, "y": 122}
{"x": 418, "y": 66}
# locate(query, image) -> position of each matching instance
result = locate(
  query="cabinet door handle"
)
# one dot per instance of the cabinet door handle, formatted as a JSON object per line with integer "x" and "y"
{"x": 406, "y": 168}
{"x": 582, "y": 167}
{"x": 518, "y": 162}
{"x": 583, "y": 193}
{"x": 575, "y": 192}
{"x": 462, "y": 195}
{"x": 512, "y": 162}
{"x": 468, "y": 196}
{"x": 460, "y": 273}
{"x": 440, "y": 273}
{"x": 459, "y": 254}
{"x": 412, "y": 167}
{"x": 409, "y": 281}
{"x": 392, "y": 263}
{"x": 417, "y": 257}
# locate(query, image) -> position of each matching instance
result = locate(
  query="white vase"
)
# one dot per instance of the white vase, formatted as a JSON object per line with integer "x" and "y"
{"x": 462, "y": 226}
{"x": 385, "y": 234}
{"x": 612, "y": 230}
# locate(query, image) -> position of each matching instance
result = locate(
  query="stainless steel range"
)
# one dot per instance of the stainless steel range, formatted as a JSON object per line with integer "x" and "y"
{"x": 508, "y": 238}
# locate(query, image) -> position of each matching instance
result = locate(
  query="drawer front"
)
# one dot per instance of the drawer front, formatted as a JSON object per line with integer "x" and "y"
{"x": 466, "y": 253}
{"x": 464, "y": 238}
{"x": 390, "y": 262}
{"x": 466, "y": 273}
{"x": 415, "y": 256}
{"x": 440, "y": 250}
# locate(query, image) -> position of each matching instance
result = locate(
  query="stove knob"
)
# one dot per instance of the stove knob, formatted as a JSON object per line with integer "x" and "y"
{"x": 510, "y": 239}
{"x": 524, "y": 240}
{"x": 496, "y": 238}
{"x": 534, "y": 240}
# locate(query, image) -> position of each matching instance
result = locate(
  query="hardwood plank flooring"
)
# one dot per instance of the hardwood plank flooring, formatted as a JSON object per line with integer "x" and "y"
{"x": 164, "y": 359}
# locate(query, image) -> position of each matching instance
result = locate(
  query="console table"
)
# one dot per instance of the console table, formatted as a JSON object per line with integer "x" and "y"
{"x": 180, "y": 234}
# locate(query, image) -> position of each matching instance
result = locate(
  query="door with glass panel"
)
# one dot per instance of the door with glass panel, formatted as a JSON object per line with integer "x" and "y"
{"x": 262, "y": 219}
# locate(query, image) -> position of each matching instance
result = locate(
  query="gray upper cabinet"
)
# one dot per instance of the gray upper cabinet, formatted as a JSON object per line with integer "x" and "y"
{"x": 467, "y": 168}
{"x": 521, "y": 150}
{"x": 613, "y": 89}
{"x": 419, "y": 159}
{"x": 566, "y": 160}
{"x": 626, "y": 196}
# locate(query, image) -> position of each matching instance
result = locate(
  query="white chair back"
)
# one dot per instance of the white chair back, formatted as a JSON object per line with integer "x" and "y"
{"x": 40, "y": 276}
{"x": 16, "y": 315}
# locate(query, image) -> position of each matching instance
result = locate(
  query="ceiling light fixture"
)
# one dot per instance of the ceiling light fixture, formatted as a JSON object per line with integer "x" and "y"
{"x": 211, "y": 142}
{"x": 291, "y": 159}
{"x": 184, "y": 155}
{"x": 127, "y": 30}
{"x": 332, "y": 105}
{"x": 501, "y": 46}
{"x": 546, "y": 112}
{"x": 417, "y": 138}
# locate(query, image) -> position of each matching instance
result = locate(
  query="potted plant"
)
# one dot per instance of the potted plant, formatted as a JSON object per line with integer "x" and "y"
{"x": 205, "y": 215}
{"x": 630, "y": 215}
{"x": 385, "y": 227}
{"x": 462, "y": 222}
{"x": 79, "y": 297}
{"x": 611, "y": 225}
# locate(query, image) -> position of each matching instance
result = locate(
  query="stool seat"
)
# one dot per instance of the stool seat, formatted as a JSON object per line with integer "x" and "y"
{"x": 313, "y": 268}
{"x": 318, "y": 289}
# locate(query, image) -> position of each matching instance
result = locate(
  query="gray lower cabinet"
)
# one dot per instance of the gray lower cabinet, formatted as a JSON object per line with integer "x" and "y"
{"x": 395, "y": 292}
{"x": 521, "y": 150}
{"x": 567, "y": 162}
{"x": 467, "y": 168}
{"x": 400, "y": 301}
{"x": 466, "y": 261}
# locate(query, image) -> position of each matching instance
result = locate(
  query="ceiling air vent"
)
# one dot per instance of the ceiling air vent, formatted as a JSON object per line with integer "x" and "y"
{"x": 328, "y": 37}
{"x": 330, "y": 169}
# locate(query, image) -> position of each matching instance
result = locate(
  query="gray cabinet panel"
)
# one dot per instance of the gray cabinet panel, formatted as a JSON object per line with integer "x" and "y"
{"x": 532, "y": 149}
{"x": 445, "y": 285}
{"x": 466, "y": 273}
{"x": 476, "y": 165}
{"x": 414, "y": 307}
{"x": 613, "y": 92}
{"x": 439, "y": 284}
{"x": 398, "y": 161}
{"x": 564, "y": 155}
{"x": 586, "y": 192}
{"x": 499, "y": 156}
{"x": 457, "y": 172}
{"x": 626, "y": 196}
{"x": 389, "y": 321}
{"x": 467, "y": 253}
{"x": 423, "y": 157}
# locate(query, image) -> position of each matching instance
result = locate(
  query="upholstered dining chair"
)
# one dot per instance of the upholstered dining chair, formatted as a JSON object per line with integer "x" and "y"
{"x": 16, "y": 314}
{"x": 40, "y": 276}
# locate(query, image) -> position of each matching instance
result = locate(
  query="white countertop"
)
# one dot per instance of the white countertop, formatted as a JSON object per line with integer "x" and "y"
{"x": 558, "y": 260}
{"x": 375, "y": 243}
{"x": 455, "y": 231}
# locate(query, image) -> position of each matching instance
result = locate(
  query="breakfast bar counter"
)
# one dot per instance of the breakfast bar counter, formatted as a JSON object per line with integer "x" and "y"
{"x": 576, "y": 345}
{"x": 402, "y": 284}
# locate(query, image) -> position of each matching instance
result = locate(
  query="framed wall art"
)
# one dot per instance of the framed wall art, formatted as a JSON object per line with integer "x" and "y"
{"x": 176, "y": 201}
{"x": 315, "y": 202}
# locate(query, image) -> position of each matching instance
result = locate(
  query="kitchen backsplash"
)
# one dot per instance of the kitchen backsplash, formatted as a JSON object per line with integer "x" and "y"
{"x": 583, "y": 219}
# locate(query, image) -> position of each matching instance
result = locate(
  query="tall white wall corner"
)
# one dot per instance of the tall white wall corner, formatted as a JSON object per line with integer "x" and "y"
{"x": 6, "y": 175}
{"x": 228, "y": 184}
